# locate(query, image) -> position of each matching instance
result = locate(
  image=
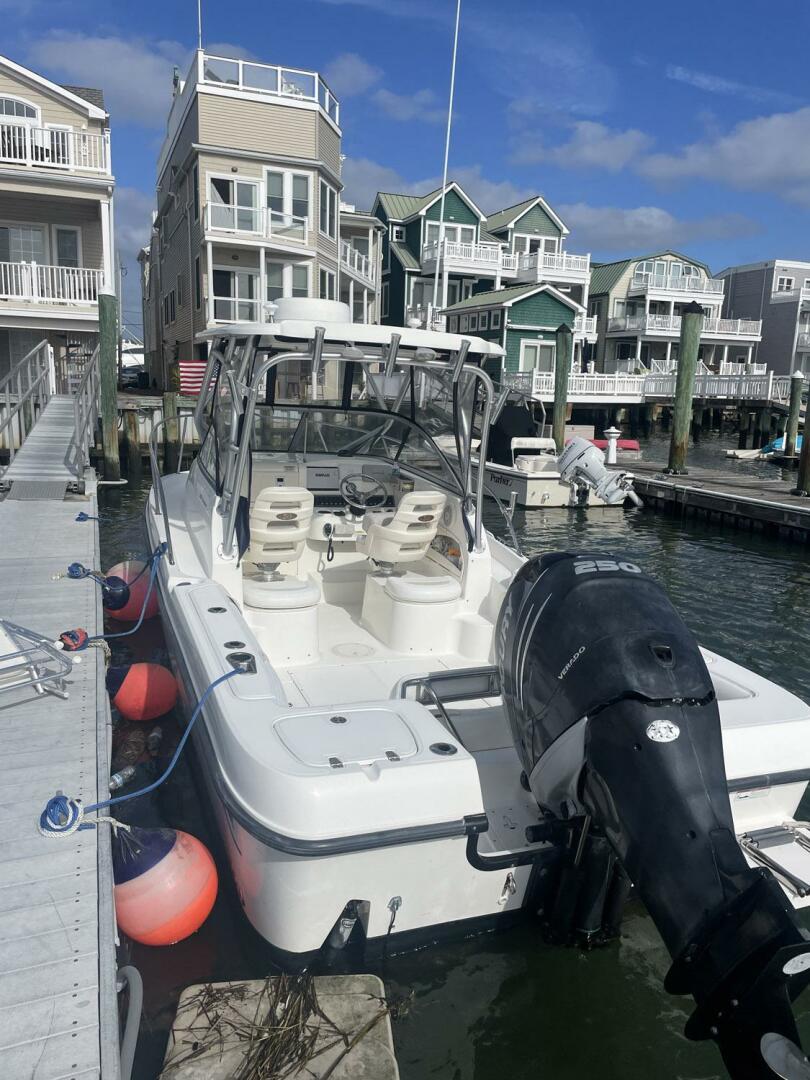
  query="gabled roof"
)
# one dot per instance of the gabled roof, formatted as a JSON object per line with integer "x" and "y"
{"x": 507, "y": 297}
{"x": 97, "y": 112}
{"x": 485, "y": 237}
{"x": 95, "y": 97}
{"x": 408, "y": 260}
{"x": 405, "y": 207}
{"x": 504, "y": 219}
{"x": 605, "y": 275}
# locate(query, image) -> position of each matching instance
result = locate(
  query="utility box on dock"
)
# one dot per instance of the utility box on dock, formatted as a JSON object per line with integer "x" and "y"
{"x": 332, "y": 1025}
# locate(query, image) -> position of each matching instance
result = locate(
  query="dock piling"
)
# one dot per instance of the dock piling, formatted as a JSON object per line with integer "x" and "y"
{"x": 691, "y": 324}
{"x": 171, "y": 432}
{"x": 803, "y": 479}
{"x": 562, "y": 369}
{"x": 794, "y": 408}
{"x": 132, "y": 436}
{"x": 108, "y": 379}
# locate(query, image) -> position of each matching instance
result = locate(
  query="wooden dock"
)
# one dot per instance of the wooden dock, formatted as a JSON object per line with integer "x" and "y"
{"x": 746, "y": 501}
{"x": 58, "y": 1008}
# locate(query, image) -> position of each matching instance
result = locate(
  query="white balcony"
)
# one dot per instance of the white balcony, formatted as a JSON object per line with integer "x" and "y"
{"x": 63, "y": 149}
{"x": 552, "y": 266}
{"x": 37, "y": 284}
{"x": 292, "y": 84}
{"x": 585, "y": 325}
{"x": 256, "y": 223}
{"x": 670, "y": 326}
{"x": 781, "y": 295}
{"x": 461, "y": 258}
{"x": 681, "y": 285}
{"x": 424, "y": 317}
{"x": 356, "y": 262}
{"x": 583, "y": 388}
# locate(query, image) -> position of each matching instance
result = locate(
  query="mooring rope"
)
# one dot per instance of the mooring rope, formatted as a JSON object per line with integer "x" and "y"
{"x": 64, "y": 815}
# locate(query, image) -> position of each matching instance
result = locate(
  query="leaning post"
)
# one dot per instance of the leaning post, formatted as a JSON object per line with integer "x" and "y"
{"x": 108, "y": 380}
{"x": 691, "y": 326}
{"x": 562, "y": 369}
{"x": 794, "y": 408}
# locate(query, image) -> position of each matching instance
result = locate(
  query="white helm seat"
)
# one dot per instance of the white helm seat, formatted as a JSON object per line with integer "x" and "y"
{"x": 279, "y": 525}
{"x": 406, "y": 535}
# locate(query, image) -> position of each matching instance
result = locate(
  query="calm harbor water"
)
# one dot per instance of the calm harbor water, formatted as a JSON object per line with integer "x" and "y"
{"x": 506, "y": 1004}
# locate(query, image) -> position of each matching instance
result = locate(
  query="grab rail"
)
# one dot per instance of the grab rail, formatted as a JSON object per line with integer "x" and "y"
{"x": 159, "y": 495}
{"x": 85, "y": 411}
{"x": 31, "y": 379}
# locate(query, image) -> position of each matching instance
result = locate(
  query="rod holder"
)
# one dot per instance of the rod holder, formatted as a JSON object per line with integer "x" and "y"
{"x": 391, "y": 359}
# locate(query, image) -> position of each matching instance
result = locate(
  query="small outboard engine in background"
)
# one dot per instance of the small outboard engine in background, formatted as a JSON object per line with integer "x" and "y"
{"x": 582, "y": 465}
{"x": 616, "y": 724}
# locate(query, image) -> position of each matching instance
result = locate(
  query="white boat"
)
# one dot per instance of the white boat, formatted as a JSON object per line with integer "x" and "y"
{"x": 419, "y": 741}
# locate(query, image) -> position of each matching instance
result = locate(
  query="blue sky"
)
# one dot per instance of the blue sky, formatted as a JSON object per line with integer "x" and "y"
{"x": 644, "y": 125}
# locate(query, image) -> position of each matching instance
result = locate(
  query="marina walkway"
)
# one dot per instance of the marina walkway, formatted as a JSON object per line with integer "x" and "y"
{"x": 49, "y": 451}
{"x": 58, "y": 1010}
{"x": 742, "y": 499}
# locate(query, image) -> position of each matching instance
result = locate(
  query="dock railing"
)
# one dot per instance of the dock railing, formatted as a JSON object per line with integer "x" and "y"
{"x": 24, "y": 393}
{"x": 85, "y": 413}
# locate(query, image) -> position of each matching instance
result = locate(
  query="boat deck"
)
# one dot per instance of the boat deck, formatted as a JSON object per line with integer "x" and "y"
{"x": 58, "y": 1011}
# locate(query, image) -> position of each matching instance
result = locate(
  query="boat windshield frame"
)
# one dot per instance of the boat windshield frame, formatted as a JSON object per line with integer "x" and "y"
{"x": 236, "y": 360}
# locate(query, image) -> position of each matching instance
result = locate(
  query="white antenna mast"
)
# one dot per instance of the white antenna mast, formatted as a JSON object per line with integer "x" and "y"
{"x": 199, "y": 25}
{"x": 440, "y": 249}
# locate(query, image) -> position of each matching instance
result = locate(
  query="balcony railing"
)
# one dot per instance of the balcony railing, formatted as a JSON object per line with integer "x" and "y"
{"x": 589, "y": 387}
{"x": 268, "y": 79}
{"x": 472, "y": 255}
{"x": 54, "y": 148}
{"x": 425, "y": 316}
{"x": 546, "y": 263}
{"x": 259, "y": 222}
{"x": 671, "y": 324}
{"x": 802, "y": 293}
{"x": 38, "y": 284}
{"x": 355, "y": 260}
{"x": 234, "y": 309}
{"x": 685, "y": 284}
{"x": 585, "y": 324}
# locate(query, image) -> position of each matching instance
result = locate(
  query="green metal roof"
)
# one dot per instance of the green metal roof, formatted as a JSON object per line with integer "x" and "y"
{"x": 605, "y": 275}
{"x": 405, "y": 256}
{"x": 497, "y": 298}
{"x": 487, "y": 237}
{"x": 501, "y": 219}
{"x": 400, "y": 207}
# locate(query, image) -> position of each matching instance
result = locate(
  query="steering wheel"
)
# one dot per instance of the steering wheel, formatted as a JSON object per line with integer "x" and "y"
{"x": 360, "y": 492}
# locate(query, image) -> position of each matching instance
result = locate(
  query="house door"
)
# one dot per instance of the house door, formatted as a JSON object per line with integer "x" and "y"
{"x": 235, "y": 293}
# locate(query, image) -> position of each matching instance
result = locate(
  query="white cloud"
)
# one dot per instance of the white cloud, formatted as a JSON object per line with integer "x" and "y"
{"x": 422, "y": 105}
{"x": 716, "y": 84}
{"x": 349, "y": 74}
{"x": 135, "y": 74}
{"x": 614, "y": 229}
{"x": 769, "y": 153}
{"x": 406, "y": 9}
{"x": 591, "y": 145}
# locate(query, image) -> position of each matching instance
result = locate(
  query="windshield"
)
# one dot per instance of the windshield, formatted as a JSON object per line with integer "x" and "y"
{"x": 356, "y": 433}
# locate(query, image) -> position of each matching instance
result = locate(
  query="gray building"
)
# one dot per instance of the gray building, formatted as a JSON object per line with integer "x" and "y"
{"x": 56, "y": 215}
{"x": 778, "y": 293}
{"x": 248, "y": 207}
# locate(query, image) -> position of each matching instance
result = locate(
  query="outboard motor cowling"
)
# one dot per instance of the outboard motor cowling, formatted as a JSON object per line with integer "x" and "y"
{"x": 615, "y": 721}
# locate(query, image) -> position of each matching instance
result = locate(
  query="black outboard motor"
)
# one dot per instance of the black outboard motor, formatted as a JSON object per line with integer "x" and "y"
{"x": 615, "y": 721}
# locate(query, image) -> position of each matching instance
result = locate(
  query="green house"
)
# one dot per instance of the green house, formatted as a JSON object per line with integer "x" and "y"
{"x": 523, "y": 319}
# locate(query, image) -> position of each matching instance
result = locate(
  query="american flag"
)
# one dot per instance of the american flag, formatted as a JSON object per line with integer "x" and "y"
{"x": 191, "y": 376}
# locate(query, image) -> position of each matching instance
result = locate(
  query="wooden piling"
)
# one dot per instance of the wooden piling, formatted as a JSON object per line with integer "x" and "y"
{"x": 132, "y": 435}
{"x": 562, "y": 369}
{"x": 171, "y": 432}
{"x": 691, "y": 324}
{"x": 794, "y": 408}
{"x": 108, "y": 379}
{"x": 803, "y": 479}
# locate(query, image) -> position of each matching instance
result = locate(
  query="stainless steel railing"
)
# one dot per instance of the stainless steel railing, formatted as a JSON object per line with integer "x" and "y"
{"x": 85, "y": 413}
{"x": 158, "y": 494}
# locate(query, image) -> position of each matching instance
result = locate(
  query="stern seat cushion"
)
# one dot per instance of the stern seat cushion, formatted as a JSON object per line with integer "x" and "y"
{"x": 287, "y": 594}
{"x": 410, "y": 588}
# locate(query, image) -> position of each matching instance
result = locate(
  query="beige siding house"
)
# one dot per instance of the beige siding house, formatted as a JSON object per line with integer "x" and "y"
{"x": 248, "y": 207}
{"x": 56, "y": 210}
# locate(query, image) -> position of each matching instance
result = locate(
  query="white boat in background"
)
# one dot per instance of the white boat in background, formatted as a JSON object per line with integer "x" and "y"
{"x": 429, "y": 732}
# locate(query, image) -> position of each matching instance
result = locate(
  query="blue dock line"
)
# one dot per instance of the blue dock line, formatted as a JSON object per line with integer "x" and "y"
{"x": 63, "y": 815}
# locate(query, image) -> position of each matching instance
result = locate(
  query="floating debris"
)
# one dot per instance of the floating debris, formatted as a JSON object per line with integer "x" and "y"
{"x": 287, "y": 1027}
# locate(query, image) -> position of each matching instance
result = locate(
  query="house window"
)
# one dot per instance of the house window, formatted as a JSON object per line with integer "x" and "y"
{"x": 13, "y": 107}
{"x": 22, "y": 243}
{"x": 235, "y": 294}
{"x": 483, "y": 320}
{"x": 785, "y": 284}
{"x": 287, "y": 279}
{"x": 452, "y": 324}
{"x": 328, "y": 211}
{"x": 195, "y": 185}
{"x": 197, "y": 284}
{"x": 536, "y": 356}
{"x": 234, "y": 205}
{"x": 496, "y": 320}
{"x": 275, "y": 192}
{"x": 67, "y": 246}
{"x": 397, "y": 233}
{"x": 300, "y": 280}
{"x": 474, "y": 321}
{"x": 384, "y": 300}
{"x": 456, "y": 234}
{"x": 327, "y": 285}
{"x": 179, "y": 290}
{"x": 169, "y": 308}
{"x": 300, "y": 195}
{"x": 464, "y": 323}
{"x": 807, "y": 283}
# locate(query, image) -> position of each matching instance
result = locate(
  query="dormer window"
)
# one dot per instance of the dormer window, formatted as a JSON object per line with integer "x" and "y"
{"x": 398, "y": 233}
{"x": 18, "y": 109}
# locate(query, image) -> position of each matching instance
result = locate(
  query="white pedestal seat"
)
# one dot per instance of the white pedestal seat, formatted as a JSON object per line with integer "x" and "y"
{"x": 411, "y": 588}
{"x": 281, "y": 594}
